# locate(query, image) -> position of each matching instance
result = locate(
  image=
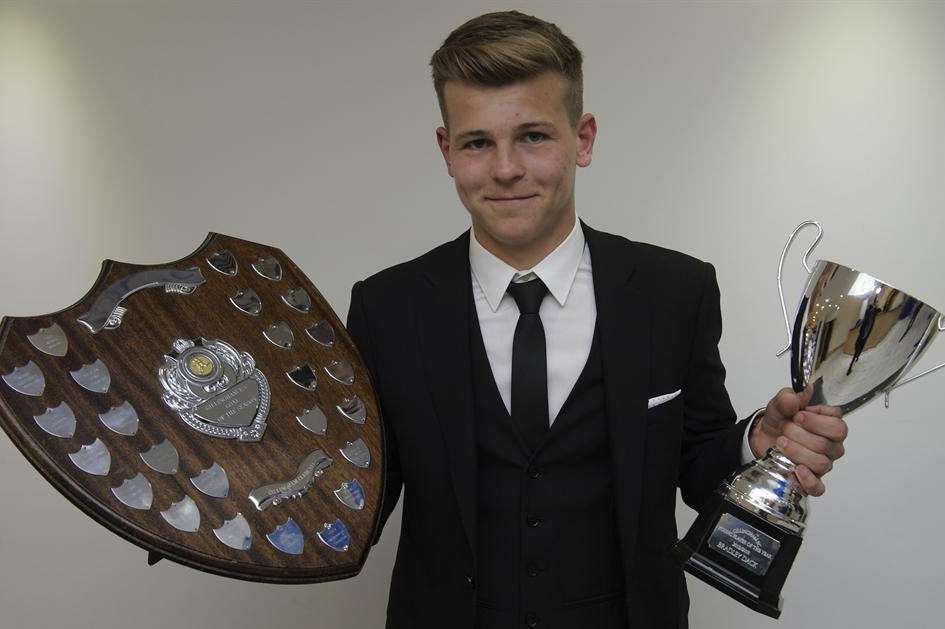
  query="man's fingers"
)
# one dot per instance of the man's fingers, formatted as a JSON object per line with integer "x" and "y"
{"x": 828, "y": 426}
{"x": 817, "y": 463}
{"x": 784, "y": 405}
{"x": 812, "y": 441}
{"x": 811, "y": 485}
{"x": 823, "y": 409}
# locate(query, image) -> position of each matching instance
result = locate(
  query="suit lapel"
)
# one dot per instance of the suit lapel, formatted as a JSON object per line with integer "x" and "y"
{"x": 624, "y": 319}
{"x": 443, "y": 304}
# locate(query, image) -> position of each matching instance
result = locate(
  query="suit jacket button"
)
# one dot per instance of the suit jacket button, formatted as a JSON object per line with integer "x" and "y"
{"x": 533, "y": 521}
{"x": 470, "y": 582}
{"x": 535, "y": 473}
{"x": 533, "y": 570}
{"x": 532, "y": 619}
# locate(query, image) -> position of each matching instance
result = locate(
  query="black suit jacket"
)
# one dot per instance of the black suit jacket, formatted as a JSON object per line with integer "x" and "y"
{"x": 659, "y": 324}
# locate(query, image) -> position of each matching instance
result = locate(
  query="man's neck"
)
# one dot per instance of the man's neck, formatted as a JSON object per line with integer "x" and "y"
{"x": 521, "y": 258}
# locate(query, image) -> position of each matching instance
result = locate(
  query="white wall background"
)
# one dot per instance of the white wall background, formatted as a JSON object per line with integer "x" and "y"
{"x": 129, "y": 130}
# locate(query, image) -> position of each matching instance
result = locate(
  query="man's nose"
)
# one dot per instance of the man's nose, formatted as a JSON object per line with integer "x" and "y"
{"x": 507, "y": 166}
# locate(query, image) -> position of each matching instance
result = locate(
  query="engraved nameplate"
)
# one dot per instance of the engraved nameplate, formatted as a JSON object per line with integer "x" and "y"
{"x": 744, "y": 544}
{"x": 51, "y": 340}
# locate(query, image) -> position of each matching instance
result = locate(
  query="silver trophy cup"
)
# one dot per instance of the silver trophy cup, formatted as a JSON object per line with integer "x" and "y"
{"x": 853, "y": 338}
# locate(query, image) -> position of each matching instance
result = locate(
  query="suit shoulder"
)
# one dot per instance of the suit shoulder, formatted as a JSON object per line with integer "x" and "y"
{"x": 660, "y": 258}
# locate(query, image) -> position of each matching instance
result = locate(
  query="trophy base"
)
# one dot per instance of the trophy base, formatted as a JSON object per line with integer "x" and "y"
{"x": 740, "y": 554}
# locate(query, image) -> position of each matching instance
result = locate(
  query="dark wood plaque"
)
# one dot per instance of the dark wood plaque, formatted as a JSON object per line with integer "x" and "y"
{"x": 152, "y": 315}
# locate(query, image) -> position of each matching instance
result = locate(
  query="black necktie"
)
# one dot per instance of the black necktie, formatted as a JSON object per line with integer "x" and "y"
{"x": 529, "y": 366}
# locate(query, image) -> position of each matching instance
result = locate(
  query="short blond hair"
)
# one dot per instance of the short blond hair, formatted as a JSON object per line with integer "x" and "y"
{"x": 497, "y": 49}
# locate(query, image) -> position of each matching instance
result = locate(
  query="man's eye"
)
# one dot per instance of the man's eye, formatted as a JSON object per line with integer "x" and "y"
{"x": 534, "y": 137}
{"x": 478, "y": 143}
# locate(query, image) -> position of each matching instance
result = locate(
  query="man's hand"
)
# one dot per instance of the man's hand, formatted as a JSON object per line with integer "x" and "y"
{"x": 811, "y": 436}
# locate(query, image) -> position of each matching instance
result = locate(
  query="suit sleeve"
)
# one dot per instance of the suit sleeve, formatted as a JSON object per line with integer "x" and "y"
{"x": 712, "y": 440}
{"x": 393, "y": 480}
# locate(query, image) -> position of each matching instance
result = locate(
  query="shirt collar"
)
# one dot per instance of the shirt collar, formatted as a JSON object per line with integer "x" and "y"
{"x": 556, "y": 270}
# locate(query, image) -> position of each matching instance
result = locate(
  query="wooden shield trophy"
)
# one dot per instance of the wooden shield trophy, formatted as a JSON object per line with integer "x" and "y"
{"x": 212, "y": 410}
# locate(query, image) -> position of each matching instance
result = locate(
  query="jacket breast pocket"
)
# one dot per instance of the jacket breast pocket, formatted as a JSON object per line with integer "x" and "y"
{"x": 665, "y": 408}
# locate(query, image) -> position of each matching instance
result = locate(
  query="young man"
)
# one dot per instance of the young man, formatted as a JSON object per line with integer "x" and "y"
{"x": 546, "y": 386}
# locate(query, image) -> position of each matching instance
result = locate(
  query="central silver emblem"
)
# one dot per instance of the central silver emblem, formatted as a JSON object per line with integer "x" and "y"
{"x": 216, "y": 389}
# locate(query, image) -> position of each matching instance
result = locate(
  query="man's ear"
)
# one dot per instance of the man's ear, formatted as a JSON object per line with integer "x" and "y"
{"x": 586, "y": 133}
{"x": 443, "y": 141}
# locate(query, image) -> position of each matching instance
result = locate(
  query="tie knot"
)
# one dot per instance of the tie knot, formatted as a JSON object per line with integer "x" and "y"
{"x": 528, "y": 295}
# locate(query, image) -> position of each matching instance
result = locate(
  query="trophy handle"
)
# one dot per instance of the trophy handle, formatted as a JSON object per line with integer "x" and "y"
{"x": 941, "y": 328}
{"x": 787, "y": 245}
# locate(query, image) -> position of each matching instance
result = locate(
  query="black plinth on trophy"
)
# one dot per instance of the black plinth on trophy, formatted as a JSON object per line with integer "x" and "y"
{"x": 740, "y": 554}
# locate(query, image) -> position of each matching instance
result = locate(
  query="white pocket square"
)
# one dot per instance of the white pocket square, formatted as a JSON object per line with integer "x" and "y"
{"x": 662, "y": 399}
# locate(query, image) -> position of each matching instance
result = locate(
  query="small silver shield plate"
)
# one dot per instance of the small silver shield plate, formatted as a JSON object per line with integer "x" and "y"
{"x": 93, "y": 458}
{"x": 235, "y": 533}
{"x": 269, "y": 268}
{"x": 183, "y": 515}
{"x": 298, "y": 299}
{"x": 357, "y": 452}
{"x": 135, "y": 492}
{"x": 122, "y": 419}
{"x": 223, "y": 262}
{"x": 341, "y": 371}
{"x": 322, "y": 333}
{"x": 351, "y": 494}
{"x": 280, "y": 335}
{"x": 353, "y": 408}
{"x": 93, "y": 377}
{"x": 212, "y": 481}
{"x": 314, "y": 420}
{"x": 162, "y": 458}
{"x": 58, "y": 421}
{"x": 51, "y": 340}
{"x": 27, "y": 379}
{"x": 247, "y": 301}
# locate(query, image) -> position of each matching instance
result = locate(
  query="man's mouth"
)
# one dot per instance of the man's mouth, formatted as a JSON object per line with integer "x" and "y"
{"x": 511, "y": 198}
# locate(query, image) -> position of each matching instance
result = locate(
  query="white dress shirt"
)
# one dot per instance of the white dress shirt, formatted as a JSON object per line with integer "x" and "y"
{"x": 568, "y": 317}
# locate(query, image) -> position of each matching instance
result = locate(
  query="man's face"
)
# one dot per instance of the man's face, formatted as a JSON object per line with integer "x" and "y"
{"x": 513, "y": 154}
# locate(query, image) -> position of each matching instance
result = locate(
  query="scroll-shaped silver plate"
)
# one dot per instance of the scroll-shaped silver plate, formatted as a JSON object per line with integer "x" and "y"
{"x": 314, "y": 420}
{"x": 322, "y": 333}
{"x": 269, "y": 268}
{"x": 58, "y": 421}
{"x": 304, "y": 377}
{"x": 135, "y": 492}
{"x": 298, "y": 299}
{"x": 51, "y": 340}
{"x": 353, "y": 408}
{"x": 183, "y": 515}
{"x": 93, "y": 458}
{"x": 288, "y": 538}
{"x": 341, "y": 371}
{"x": 173, "y": 280}
{"x": 351, "y": 494}
{"x": 122, "y": 419}
{"x": 335, "y": 535}
{"x": 247, "y": 301}
{"x": 311, "y": 467}
{"x": 27, "y": 379}
{"x": 212, "y": 481}
{"x": 357, "y": 452}
{"x": 162, "y": 458}
{"x": 280, "y": 335}
{"x": 94, "y": 377}
{"x": 235, "y": 533}
{"x": 224, "y": 262}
